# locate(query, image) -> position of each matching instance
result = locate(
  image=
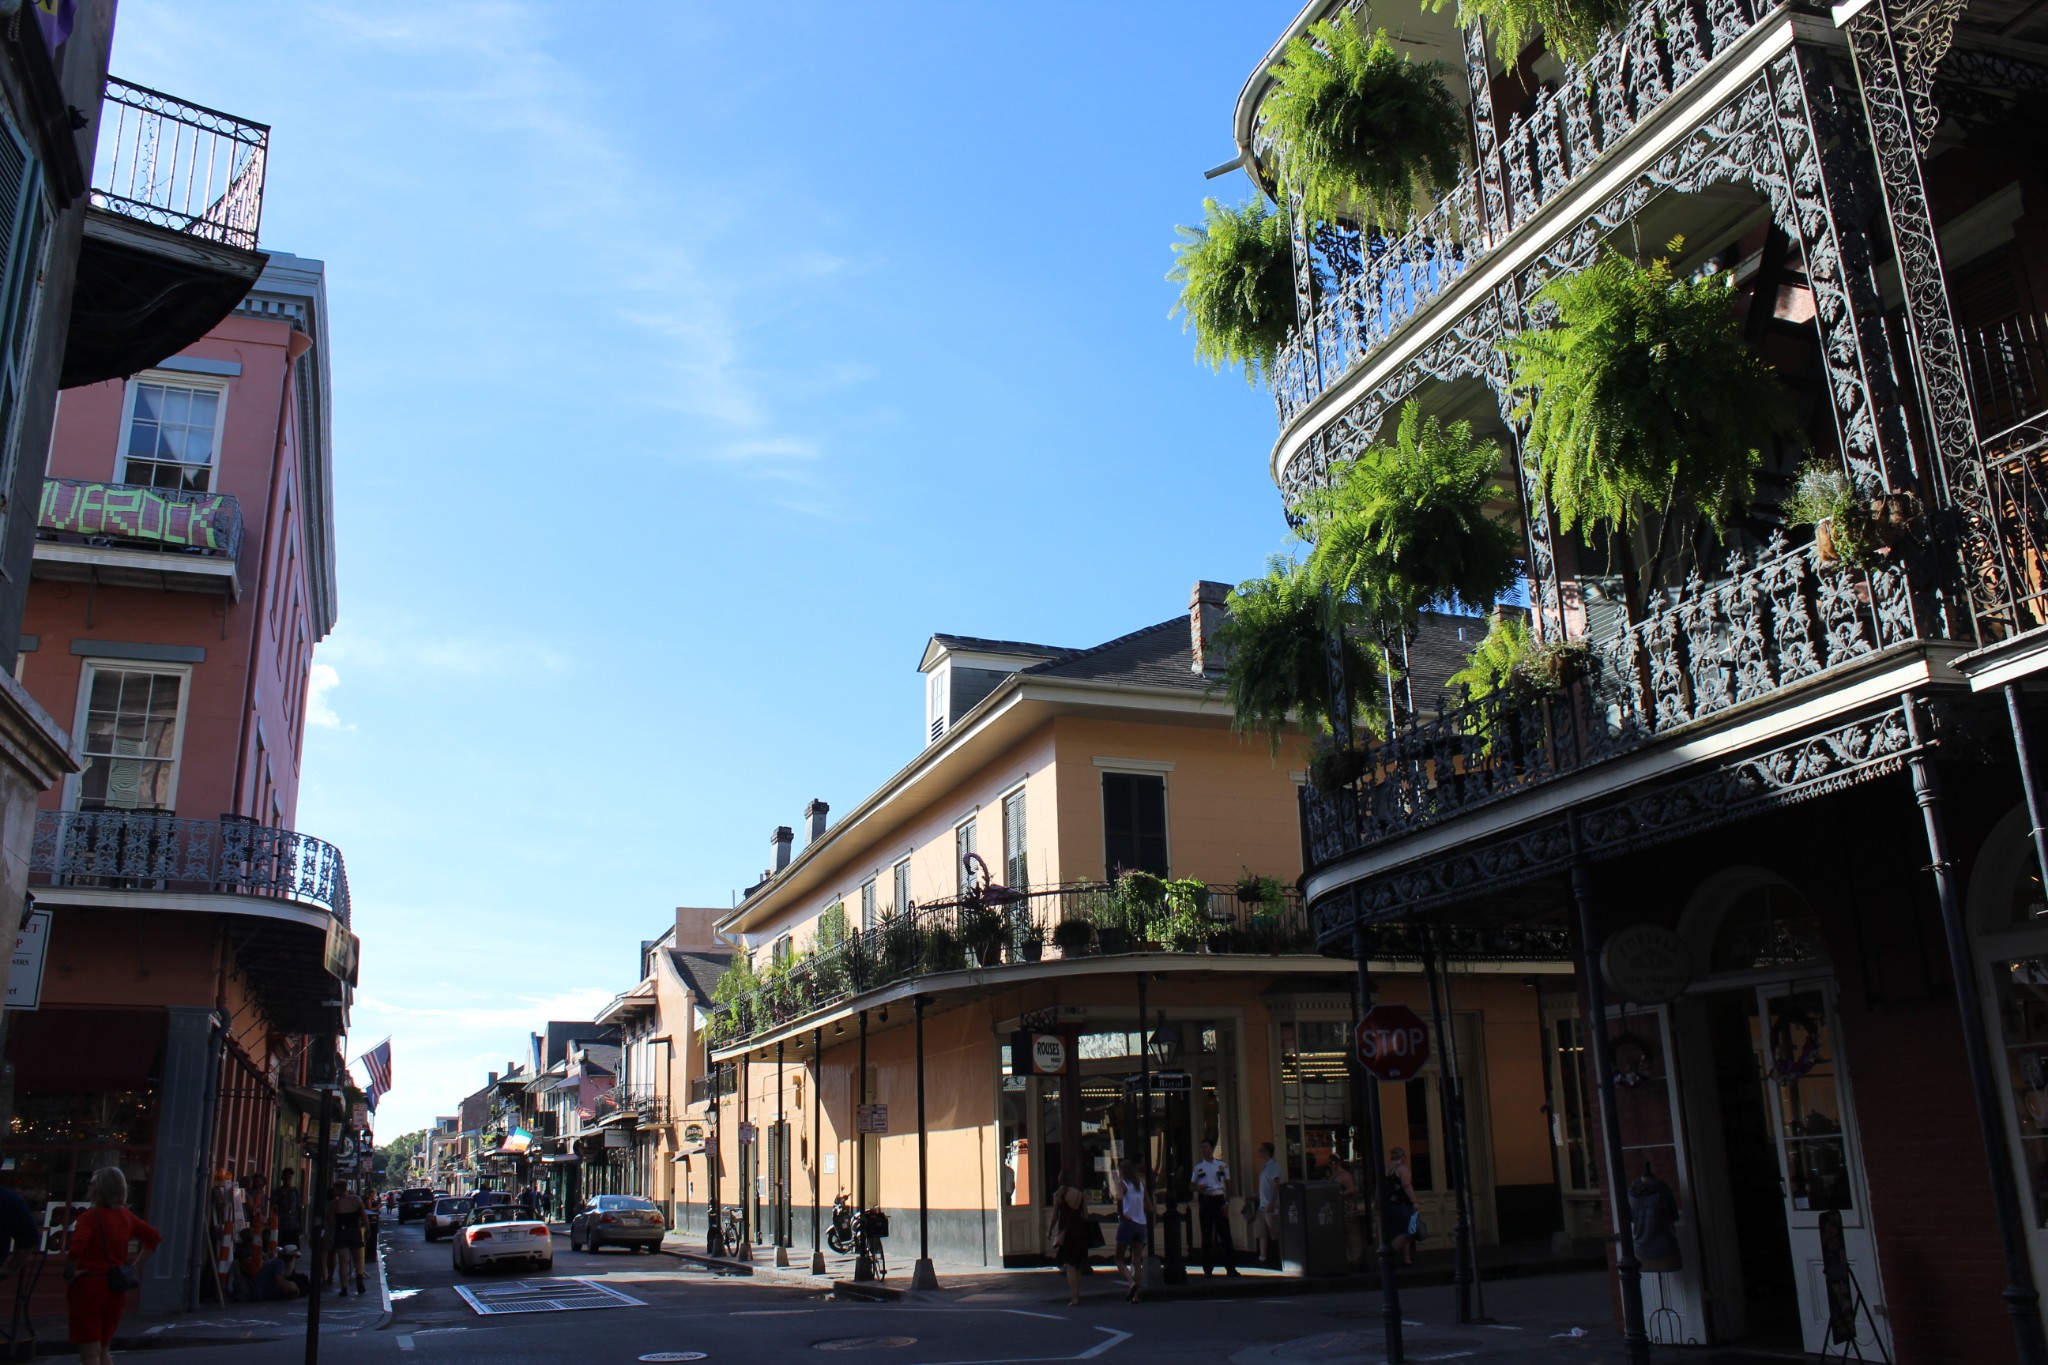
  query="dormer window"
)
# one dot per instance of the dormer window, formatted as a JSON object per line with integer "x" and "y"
{"x": 935, "y": 703}
{"x": 960, "y": 671}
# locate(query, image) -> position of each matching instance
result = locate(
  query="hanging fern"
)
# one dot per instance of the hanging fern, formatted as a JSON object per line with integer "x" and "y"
{"x": 1642, "y": 393}
{"x": 1236, "y": 278}
{"x": 1571, "y": 28}
{"x": 1510, "y": 659}
{"x": 1359, "y": 130}
{"x": 1405, "y": 525}
{"x": 1276, "y": 636}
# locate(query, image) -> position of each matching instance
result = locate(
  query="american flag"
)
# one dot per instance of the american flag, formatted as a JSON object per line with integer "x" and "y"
{"x": 377, "y": 1062}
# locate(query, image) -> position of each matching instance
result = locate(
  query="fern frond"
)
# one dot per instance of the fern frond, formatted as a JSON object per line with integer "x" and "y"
{"x": 1236, "y": 278}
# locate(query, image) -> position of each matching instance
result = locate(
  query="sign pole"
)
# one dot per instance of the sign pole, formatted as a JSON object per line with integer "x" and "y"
{"x": 1390, "y": 1275}
{"x": 922, "y": 1276}
{"x": 316, "y": 1207}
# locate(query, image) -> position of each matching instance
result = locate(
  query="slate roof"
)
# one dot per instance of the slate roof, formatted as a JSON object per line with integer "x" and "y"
{"x": 983, "y": 645}
{"x": 1437, "y": 652}
{"x": 1157, "y": 656}
{"x": 700, "y": 971}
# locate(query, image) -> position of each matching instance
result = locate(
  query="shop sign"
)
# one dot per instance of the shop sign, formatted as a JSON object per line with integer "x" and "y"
{"x": 1162, "y": 1082}
{"x": 1038, "y": 1054}
{"x": 693, "y": 1132}
{"x": 873, "y": 1118}
{"x": 1392, "y": 1043}
{"x": 344, "y": 952}
{"x": 616, "y": 1137}
{"x": 1646, "y": 964}
{"x": 25, "y": 977}
{"x": 746, "y": 1134}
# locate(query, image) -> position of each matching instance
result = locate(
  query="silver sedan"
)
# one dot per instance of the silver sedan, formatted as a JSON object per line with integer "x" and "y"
{"x": 618, "y": 1220}
{"x": 445, "y": 1217}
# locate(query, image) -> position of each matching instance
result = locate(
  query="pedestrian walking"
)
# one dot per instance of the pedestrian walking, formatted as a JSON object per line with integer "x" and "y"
{"x": 1068, "y": 1234}
{"x": 1212, "y": 1201}
{"x": 1133, "y": 1221}
{"x": 1265, "y": 1217}
{"x": 97, "y": 1266}
{"x": 290, "y": 1210}
{"x": 347, "y": 1217}
{"x": 1401, "y": 1224}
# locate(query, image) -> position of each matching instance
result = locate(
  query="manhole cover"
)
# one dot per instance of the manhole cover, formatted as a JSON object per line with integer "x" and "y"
{"x": 862, "y": 1343}
{"x": 674, "y": 1355}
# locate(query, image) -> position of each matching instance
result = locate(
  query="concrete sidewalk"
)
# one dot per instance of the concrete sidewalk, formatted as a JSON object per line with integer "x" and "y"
{"x": 235, "y": 1323}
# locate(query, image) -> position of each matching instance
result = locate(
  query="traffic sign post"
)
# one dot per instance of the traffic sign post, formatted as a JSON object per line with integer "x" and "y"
{"x": 1392, "y": 1043}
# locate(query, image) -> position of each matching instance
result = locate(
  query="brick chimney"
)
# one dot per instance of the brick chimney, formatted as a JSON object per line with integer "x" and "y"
{"x": 1205, "y": 617}
{"x": 780, "y": 841}
{"x": 814, "y": 817}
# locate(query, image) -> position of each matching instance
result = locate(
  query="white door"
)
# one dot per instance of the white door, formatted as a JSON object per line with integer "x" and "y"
{"x": 1819, "y": 1158}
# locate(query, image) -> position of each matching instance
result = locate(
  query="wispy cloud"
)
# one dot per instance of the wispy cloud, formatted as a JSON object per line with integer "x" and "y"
{"x": 319, "y": 710}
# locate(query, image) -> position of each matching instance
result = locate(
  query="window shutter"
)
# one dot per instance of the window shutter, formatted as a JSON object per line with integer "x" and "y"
{"x": 1016, "y": 875}
{"x": 24, "y": 223}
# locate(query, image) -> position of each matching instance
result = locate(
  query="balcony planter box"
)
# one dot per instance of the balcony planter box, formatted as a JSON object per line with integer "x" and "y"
{"x": 1113, "y": 940}
{"x": 1336, "y": 770}
{"x": 1073, "y": 936}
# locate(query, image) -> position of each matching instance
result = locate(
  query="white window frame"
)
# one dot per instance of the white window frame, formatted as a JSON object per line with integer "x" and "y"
{"x": 899, "y": 885}
{"x": 869, "y": 904}
{"x": 74, "y": 787}
{"x": 175, "y": 379}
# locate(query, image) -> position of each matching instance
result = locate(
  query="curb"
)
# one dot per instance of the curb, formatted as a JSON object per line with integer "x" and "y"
{"x": 721, "y": 1263}
{"x": 383, "y": 1291}
{"x": 870, "y": 1291}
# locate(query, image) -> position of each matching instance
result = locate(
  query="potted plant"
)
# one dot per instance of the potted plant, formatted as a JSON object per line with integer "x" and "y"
{"x": 1178, "y": 927}
{"x": 1116, "y": 927}
{"x": 1073, "y": 936}
{"x": 1360, "y": 131}
{"x": 983, "y": 931}
{"x": 1236, "y": 278}
{"x": 1509, "y": 658}
{"x": 1027, "y": 939}
{"x": 1848, "y": 530}
{"x": 900, "y": 948}
{"x": 1250, "y": 890}
{"x": 1648, "y": 407}
{"x": 1571, "y": 28}
{"x": 941, "y": 950}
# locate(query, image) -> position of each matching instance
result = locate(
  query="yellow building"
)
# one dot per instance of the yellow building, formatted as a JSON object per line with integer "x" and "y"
{"x": 978, "y": 887}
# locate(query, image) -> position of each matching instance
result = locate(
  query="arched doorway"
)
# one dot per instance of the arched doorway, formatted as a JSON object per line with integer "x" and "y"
{"x": 1770, "y": 1120}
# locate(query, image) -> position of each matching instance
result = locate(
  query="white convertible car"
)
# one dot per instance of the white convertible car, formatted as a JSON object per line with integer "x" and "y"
{"x": 506, "y": 1232}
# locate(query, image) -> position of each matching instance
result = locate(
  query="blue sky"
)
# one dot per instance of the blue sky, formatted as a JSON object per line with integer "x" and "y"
{"x": 692, "y": 364}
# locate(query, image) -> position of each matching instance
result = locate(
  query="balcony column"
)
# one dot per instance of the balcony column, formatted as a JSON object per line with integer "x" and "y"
{"x": 922, "y": 1276}
{"x": 1493, "y": 206}
{"x": 817, "y": 1150}
{"x": 714, "y": 1239}
{"x": 781, "y": 1164}
{"x": 2022, "y": 1301}
{"x": 1894, "y": 60}
{"x": 1635, "y": 1336}
{"x": 863, "y": 1264}
{"x": 1362, "y": 999}
{"x": 1463, "y": 1271}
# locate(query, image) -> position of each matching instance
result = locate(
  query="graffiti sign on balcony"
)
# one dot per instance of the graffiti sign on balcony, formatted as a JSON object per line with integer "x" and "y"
{"x": 209, "y": 522}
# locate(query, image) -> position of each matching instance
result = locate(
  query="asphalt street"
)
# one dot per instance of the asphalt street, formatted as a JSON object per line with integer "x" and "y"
{"x": 666, "y": 1308}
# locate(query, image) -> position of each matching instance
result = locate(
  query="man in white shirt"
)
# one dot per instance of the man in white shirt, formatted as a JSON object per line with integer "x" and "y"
{"x": 1212, "y": 1190}
{"x": 1266, "y": 1233}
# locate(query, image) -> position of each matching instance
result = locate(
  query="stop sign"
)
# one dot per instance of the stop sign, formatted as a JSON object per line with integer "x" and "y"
{"x": 1392, "y": 1043}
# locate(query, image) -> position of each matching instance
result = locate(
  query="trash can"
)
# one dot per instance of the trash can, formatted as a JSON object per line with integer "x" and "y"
{"x": 1312, "y": 1227}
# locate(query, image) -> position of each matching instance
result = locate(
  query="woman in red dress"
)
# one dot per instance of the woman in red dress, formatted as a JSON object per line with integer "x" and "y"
{"x": 100, "y": 1238}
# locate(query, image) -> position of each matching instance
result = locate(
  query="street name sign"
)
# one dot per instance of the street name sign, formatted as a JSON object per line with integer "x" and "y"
{"x": 1392, "y": 1043}
{"x": 25, "y": 977}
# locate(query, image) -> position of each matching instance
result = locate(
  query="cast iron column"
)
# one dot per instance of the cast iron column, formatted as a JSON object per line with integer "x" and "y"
{"x": 1461, "y": 1235}
{"x": 2037, "y": 828}
{"x": 922, "y": 1276}
{"x": 1635, "y": 1337}
{"x": 316, "y": 1207}
{"x": 714, "y": 1239}
{"x": 863, "y": 1264}
{"x": 1390, "y": 1275}
{"x": 782, "y": 1218}
{"x": 2021, "y": 1300}
{"x": 817, "y": 1150}
{"x": 1149, "y": 1270}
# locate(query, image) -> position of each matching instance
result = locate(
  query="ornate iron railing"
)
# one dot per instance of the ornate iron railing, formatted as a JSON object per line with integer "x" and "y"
{"x": 1713, "y": 647}
{"x": 1091, "y": 919}
{"x": 180, "y": 166}
{"x": 131, "y": 515}
{"x": 2016, "y": 462}
{"x": 143, "y": 850}
{"x": 1635, "y": 71}
{"x": 642, "y": 1101}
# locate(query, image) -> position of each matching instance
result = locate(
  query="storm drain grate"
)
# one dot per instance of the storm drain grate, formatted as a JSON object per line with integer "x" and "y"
{"x": 545, "y": 1296}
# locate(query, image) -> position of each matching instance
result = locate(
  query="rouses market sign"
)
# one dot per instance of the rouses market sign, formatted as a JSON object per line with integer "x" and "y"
{"x": 1646, "y": 964}
{"x": 1038, "y": 1054}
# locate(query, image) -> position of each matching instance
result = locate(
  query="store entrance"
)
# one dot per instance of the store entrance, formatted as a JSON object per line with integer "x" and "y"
{"x": 1750, "y": 1163}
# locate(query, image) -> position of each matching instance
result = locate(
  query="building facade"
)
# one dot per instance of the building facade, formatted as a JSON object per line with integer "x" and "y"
{"x": 1084, "y": 853}
{"x": 1787, "y": 782}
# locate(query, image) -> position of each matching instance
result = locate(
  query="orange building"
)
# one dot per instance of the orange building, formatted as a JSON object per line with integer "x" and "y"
{"x": 183, "y": 572}
{"x": 973, "y": 901}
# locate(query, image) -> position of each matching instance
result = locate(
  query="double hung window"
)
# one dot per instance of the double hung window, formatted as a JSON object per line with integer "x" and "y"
{"x": 172, "y": 435}
{"x": 899, "y": 887}
{"x": 24, "y": 238}
{"x": 1134, "y": 823}
{"x": 963, "y": 847}
{"x": 1016, "y": 871}
{"x": 130, "y": 739}
{"x": 867, "y": 904}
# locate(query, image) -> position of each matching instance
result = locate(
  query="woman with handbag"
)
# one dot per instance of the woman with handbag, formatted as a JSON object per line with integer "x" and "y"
{"x": 1072, "y": 1233}
{"x": 99, "y": 1270}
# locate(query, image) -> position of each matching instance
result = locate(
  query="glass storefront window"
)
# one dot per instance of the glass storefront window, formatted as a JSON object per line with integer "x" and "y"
{"x": 2022, "y": 986}
{"x": 1572, "y": 1124}
{"x": 1798, "y": 1058}
{"x": 1316, "y": 1094}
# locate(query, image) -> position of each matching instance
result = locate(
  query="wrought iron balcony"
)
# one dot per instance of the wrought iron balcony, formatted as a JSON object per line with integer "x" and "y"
{"x": 1050, "y": 924}
{"x": 642, "y": 1102}
{"x": 1381, "y": 283}
{"x": 173, "y": 164}
{"x": 131, "y": 516}
{"x": 126, "y": 850}
{"x": 1711, "y": 649}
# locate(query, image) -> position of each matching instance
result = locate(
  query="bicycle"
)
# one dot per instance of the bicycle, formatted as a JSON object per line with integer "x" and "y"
{"x": 731, "y": 1232}
{"x": 870, "y": 1226}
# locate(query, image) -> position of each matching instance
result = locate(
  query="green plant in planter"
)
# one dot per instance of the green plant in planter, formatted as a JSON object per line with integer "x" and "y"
{"x": 1848, "y": 529}
{"x": 1645, "y": 400}
{"x": 1141, "y": 889}
{"x": 1509, "y": 658}
{"x": 941, "y": 950}
{"x": 1276, "y": 644}
{"x": 1236, "y": 278}
{"x": 1407, "y": 525}
{"x": 901, "y": 948}
{"x": 829, "y": 967}
{"x": 1274, "y": 892}
{"x": 1027, "y": 939}
{"x": 1188, "y": 893}
{"x": 734, "y": 995}
{"x": 1250, "y": 890}
{"x": 1073, "y": 936}
{"x": 1571, "y": 28}
{"x": 984, "y": 933}
{"x": 1359, "y": 130}
{"x": 1179, "y": 928}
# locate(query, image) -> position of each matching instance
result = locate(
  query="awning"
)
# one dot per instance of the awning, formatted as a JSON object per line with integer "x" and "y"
{"x": 67, "y": 1051}
{"x": 562, "y": 1159}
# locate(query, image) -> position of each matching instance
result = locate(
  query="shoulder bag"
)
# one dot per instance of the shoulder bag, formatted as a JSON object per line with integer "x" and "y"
{"x": 121, "y": 1276}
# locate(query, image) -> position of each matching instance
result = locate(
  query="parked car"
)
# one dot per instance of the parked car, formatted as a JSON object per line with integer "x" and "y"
{"x": 414, "y": 1204}
{"x": 618, "y": 1220}
{"x": 503, "y": 1232}
{"x": 447, "y": 1215}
